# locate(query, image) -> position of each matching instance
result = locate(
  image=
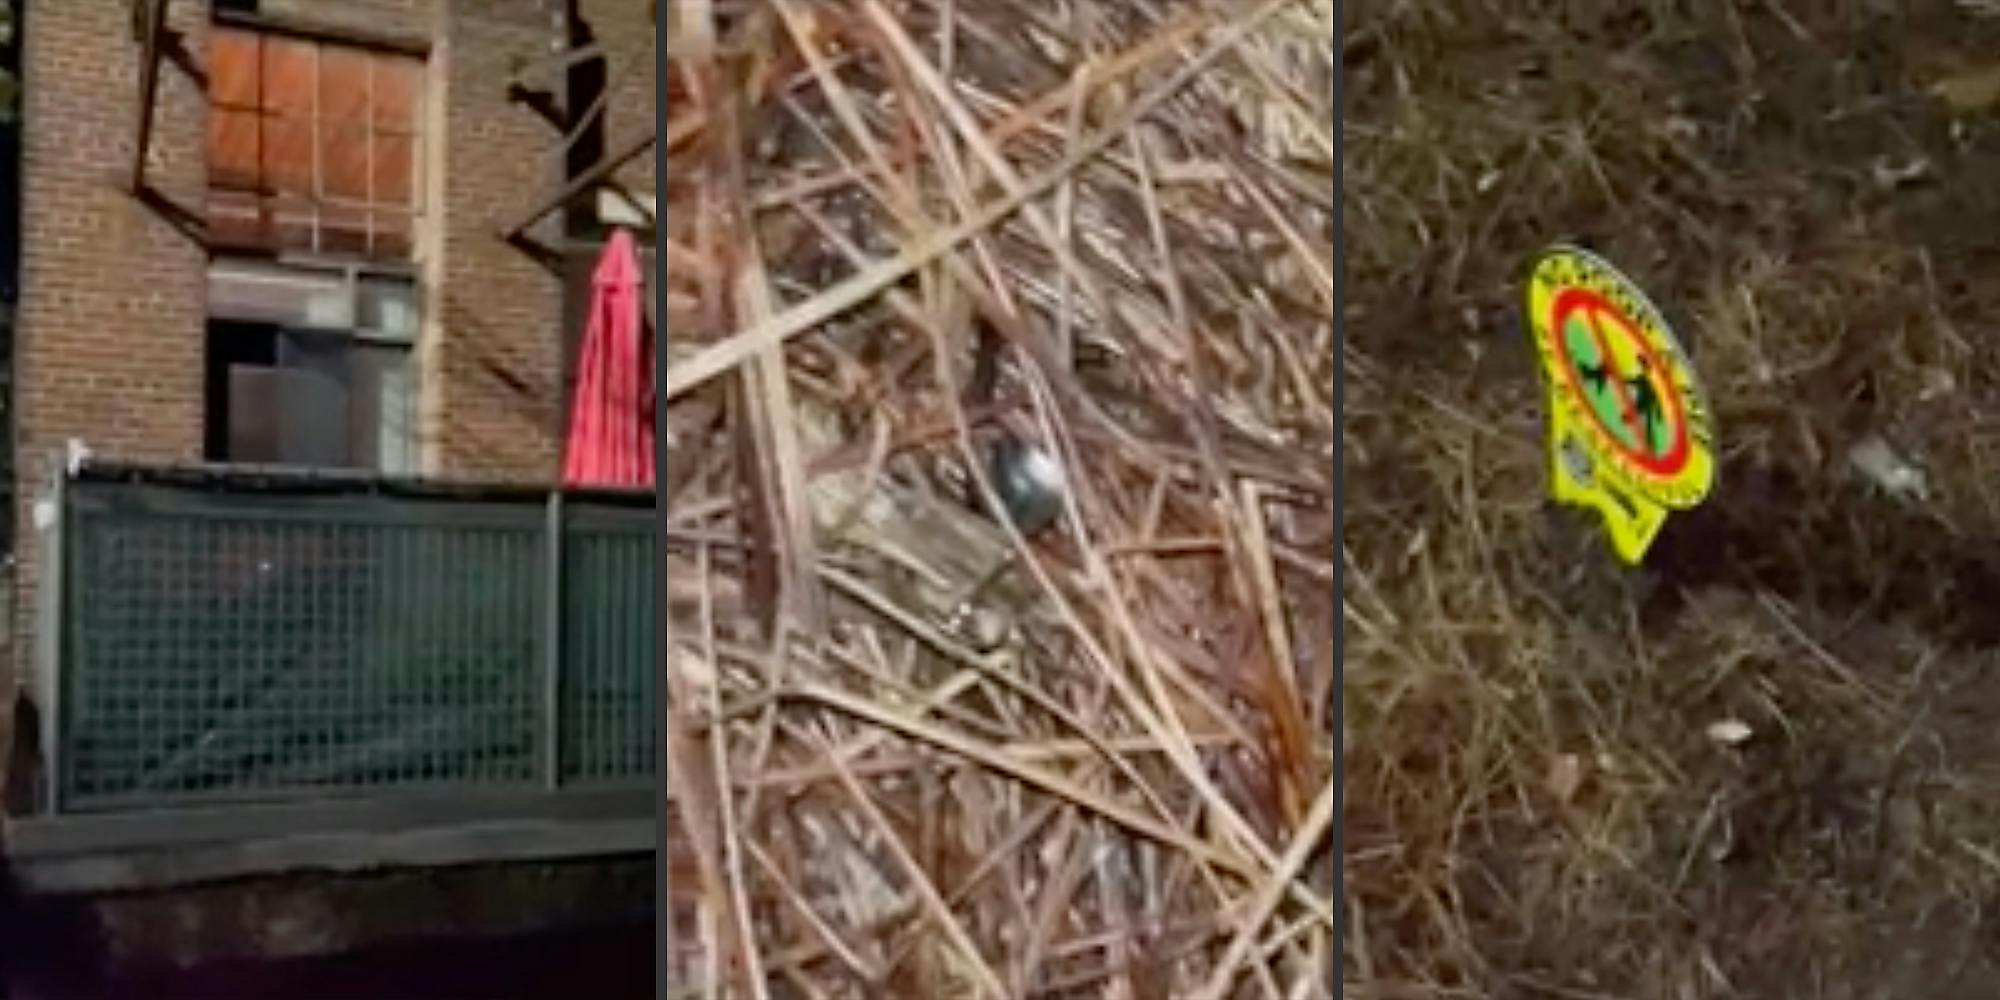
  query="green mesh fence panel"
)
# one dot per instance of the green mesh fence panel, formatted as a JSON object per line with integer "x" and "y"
{"x": 610, "y": 651}
{"x": 220, "y": 646}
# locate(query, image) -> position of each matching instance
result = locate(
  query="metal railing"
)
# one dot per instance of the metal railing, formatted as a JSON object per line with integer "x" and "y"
{"x": 212, "y": 636}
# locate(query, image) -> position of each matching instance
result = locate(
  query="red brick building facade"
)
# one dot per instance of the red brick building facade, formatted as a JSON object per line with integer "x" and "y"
{"x": 302, "y": 153}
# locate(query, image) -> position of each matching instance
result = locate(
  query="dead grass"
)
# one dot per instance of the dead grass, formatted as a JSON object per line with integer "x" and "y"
{"x": 1114, "y": 785}
{"x": 1124, "y": 795}
{"x": 1535, "y": 806}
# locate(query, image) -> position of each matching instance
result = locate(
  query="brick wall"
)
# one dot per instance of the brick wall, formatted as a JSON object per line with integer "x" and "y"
{"x": 625, "y": 29}
{"x": 491, "y": 385}
{"x": 491, "y": 361}
{"x": 109, "y": 341}
{"x": 112, "y": 295}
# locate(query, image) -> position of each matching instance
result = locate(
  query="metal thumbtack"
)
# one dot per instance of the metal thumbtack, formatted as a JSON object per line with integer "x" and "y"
{"x": 1030, "y": 484}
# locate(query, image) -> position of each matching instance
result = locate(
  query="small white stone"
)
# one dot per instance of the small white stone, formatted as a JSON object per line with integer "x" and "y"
{"x": 1729, "y": 732}
{"x": 1880, "y": 464}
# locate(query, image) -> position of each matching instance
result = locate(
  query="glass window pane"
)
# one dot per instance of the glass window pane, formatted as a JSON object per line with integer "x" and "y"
{"x": 313, "y": 429}
{"x": 385, "y": 400}
{"x": 233, "y": 58}
{"x": 344, "y": 162}
{"x": 395, "y": 161}
{"x": 343, "y": 85}
{"x": 398, "y": 84}
{"x": 316, "y": 419}
{"x": 288, "y": 76}
{"x": 332, "y": 143}
{"x": 253, "y": 414}
{"x": 234, "y": 138}
{"x": 287, "y": 156}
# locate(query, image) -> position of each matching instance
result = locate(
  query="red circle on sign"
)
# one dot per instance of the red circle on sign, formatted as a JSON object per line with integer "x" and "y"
{"x": 1598, "y": 312}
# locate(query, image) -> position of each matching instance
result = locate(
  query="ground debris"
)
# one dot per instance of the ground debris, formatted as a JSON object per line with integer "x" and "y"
{"x": 1878, "y": 462}
{"x": 1012, "y": 764}
{"x": 1842, "y": 842}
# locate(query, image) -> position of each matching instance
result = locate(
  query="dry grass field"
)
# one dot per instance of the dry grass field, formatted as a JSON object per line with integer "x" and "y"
{"x": 1538, "y": 803}
{"x": 912, "y": 752}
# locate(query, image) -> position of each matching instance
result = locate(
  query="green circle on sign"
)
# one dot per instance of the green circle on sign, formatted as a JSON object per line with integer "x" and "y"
{"x": 1600, "y": 392}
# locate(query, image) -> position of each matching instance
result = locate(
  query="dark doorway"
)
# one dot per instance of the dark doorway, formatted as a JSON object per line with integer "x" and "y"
{"x": 231, "y": 345}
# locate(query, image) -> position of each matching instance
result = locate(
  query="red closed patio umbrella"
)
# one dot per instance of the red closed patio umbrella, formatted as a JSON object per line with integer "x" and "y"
{"x": 610, "y": 439}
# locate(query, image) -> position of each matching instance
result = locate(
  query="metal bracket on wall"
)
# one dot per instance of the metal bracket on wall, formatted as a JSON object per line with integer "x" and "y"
{"x": 573, "y": 115}
{"x": 149, "y": 28}
{"x": 150, "y": 18}
{"x": 517, "y": 234}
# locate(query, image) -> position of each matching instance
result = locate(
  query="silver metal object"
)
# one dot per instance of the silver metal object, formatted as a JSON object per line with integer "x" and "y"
{"x": 1028, "y": 479}
{"x": 1030, "y": 483}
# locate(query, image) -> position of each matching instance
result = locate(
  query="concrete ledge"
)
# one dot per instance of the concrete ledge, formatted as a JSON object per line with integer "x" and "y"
{"x": 165, "y": 848}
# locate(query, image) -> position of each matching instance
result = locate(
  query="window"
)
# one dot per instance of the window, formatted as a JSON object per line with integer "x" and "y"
{"x": 312, "y": 146}
{"x": 311, "y": 369}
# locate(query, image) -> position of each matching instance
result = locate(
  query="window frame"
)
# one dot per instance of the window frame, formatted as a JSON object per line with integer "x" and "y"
{"x": 395, "y": 429}
{"x": 268, "y": 209}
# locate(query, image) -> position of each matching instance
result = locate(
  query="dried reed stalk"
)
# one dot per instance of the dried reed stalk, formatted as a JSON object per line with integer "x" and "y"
{"x": 1089, "y": 763}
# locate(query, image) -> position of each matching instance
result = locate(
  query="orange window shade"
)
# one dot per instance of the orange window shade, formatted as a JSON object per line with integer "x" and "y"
{"x": 235, "y": 139}
{"x": 290, "y": 76}
{"x": 312, "y": 145}
{"x": 233, "y": 68}
{"x": 394, "y": 165}
{"x": 287, "y": 158}
{"x": 344, "y": 162}
{"x": 397, "y": 83}
{"x": 344, "y": 95}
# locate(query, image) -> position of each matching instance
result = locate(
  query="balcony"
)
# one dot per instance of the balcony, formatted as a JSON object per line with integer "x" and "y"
{"x": 241, "y": 672}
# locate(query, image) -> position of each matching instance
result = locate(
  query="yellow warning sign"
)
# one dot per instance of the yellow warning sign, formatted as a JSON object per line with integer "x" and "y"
{"x": 1630, "y": 432}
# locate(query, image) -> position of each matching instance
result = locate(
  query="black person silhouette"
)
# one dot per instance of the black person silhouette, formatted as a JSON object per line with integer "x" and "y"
{"x": 1645, "y": 402}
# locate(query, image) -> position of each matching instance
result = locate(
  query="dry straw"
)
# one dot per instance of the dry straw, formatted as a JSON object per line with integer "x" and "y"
{"x": 913, "y": 753}
{"x": 1762, "y": 767}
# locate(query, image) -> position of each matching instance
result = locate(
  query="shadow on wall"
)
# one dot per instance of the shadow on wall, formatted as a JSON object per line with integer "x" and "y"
{"x": 503, "y": 416}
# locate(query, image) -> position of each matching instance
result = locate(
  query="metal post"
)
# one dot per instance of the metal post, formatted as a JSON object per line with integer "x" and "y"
{"x": 552, "y": 615}
{"x": 51, "y": 630}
